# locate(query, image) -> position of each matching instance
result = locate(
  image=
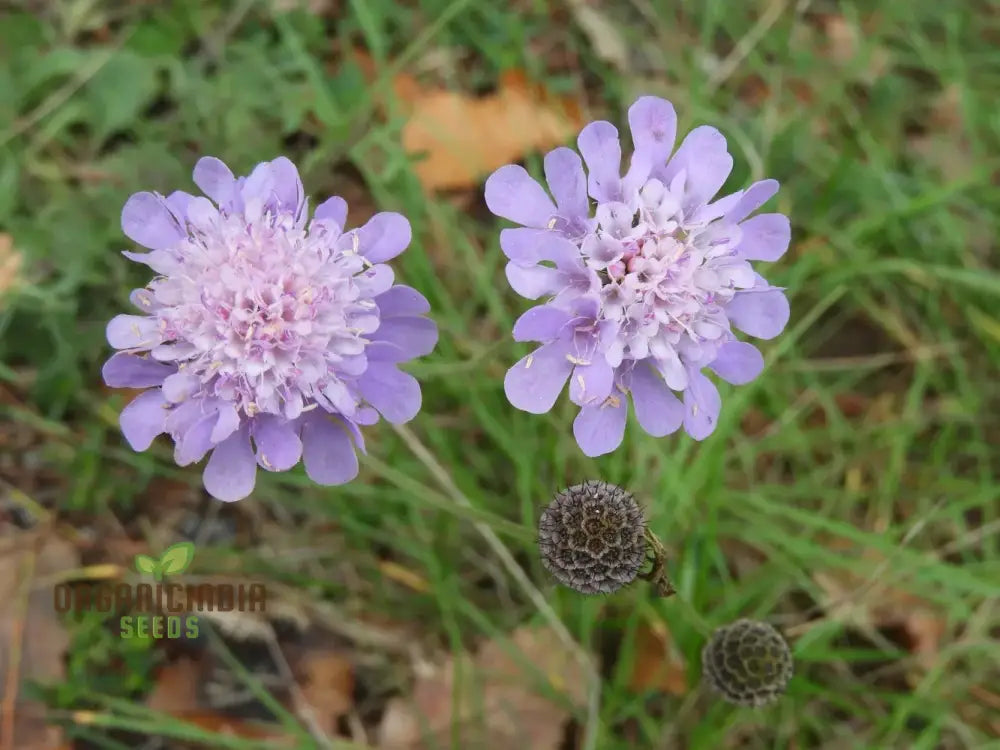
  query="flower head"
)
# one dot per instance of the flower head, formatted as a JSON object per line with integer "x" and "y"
{"x": 748, "y": 663}
{"x": 266, "y": 336}
{"x": 645, "y": 277}
{"x": 592, "y": 538}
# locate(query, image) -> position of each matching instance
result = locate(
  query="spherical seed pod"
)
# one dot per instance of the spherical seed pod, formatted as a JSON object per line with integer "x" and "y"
{"x": 592, "y": 538}
{"x": 748, "y": 663}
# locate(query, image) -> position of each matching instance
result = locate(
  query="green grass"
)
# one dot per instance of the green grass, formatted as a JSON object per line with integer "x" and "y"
{"x": 892, "y": 278}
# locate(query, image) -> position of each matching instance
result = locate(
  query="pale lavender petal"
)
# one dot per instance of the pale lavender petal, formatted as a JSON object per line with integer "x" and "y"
{"x": 162, "y": 262}
{"x": 765, "y": 237}
{"x": 231, "y": 472}
{"x": 384, "y": 236}
{"x": 401, "y": 300}
{"x": 513, "y": 194}
{"x": 525, "y": 245}
{"x": 287, "y": 184}
{"x": 332, "y": 209}
{"x": 533, "y": 282}
{"x": 143, "y": 419}
{"x": 215, "y": 179}
{"x": 702, "y": 404}
{"x": 602, "y": 151}
{"x": 541, "y": 323}
{"x": 707, "y": 163}
{"x": 752, "y": 198}
{"x": 656, "y": 407}
{"x": 195, "y": 442}
{"x": 567, "y": 181}
{"x": 278, "y": 445}
{"x": 180, "y": 387}
{"x": 146, "y": 219}
{"x": 327, "y": 451}
{"x": 534, "y": 383}
{"x": 131, "y": 371}
{"x": 591, "y": 383}
{"x": 133, "y": 332}
{"x": 413, "y": 335}
{"x": 178, "y": 202}
{"x": 761, "y": 313}
{"x": 396, "y": 394}
{"x": 737, "y": 362}
{"x": 600, "y": 429}
{"x": 653, "y": 123}
{"x": 375, "y": 280}
{"x": 227, "y": 423}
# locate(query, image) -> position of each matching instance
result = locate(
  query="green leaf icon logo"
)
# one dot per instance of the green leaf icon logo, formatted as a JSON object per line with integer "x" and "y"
{"x": 146, "y": 564}
{"x": 176, "y": 558}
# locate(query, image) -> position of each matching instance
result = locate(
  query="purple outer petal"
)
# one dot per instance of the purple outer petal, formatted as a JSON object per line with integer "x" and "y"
{"x": 702, "y": 404}
{"x": 384, "y": 236}
{"x": 396, "y": 394}
{"x": 567, "y": 181}
{"x": 765, "y": 237}
{"x": 602, "y": 151}
{"x": 215, "y": 179}
{"x": 327, "y": 451}
{"x": 513, "y": 194}
{"x": 332, "y": 209}
{"x": 401, "y": 300}
{"x": 656, "y": 407}
{"x": 704, "y": 157}
{"x": 231, "y": 472}
{"x": 591, "y": 383}
{"x": 133, "y": 332}
{"x": 146, "y": 219}
{"x": 737, "y": 362}
{"x": 525, "y": 245}
{"x": 143, "y": 419}
{"x": 761, "y": 313}
{"x": 130, "y": 371}
{"x": 541, "y": 323}
{"x": 600, "y": 429}
{"x": 532, "y": 282}
{"x": 413, "y": 336}
{"x": 534, "y": 383}
{"x": 287, "y": 184}
{"x": 753, "y": 198}
{"x": 278, "y": 445}
{"x": 653, "y": 123}
{"x": 195, "y": 442}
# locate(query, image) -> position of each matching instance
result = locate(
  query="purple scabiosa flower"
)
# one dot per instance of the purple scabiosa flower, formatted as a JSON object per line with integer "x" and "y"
{"x": 266, "y": 336}
{"x": 645, "y": 277}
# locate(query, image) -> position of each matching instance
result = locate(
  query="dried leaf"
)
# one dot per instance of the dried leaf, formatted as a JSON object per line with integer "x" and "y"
{"x": 32, "y": 639}
{"x": 657, "y": 665}
{"x": 457, "y": 139}
{"x": 327, "y": 687}
{"x": 499, "y": 706}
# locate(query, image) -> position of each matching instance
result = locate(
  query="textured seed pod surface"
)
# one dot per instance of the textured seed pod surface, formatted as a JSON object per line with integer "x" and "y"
{"x": 748, "y": 663}
{"x": 592, "y": 537}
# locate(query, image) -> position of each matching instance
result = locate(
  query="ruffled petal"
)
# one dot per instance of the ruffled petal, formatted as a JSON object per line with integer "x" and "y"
{"x": 413, "y": 336}
{"x": 215, "y": 179}
{"x": 737, "y": 362}
{"x": 278, "y": 445}
{"x": 287, "y": 185}
{"x": 327, "y": 451}
{"x": 765, "y": 237}
{"x": 384, "y": 236}
{"x": 396, "y": 394}
{"x": 541, "y": 323}
{"x": 602, "y": 151}
{"x": 752, "y": 198}
{"x": 401, "y": 300}
{"x": 534, "y": 383}
{"x": 196, "y": 441}
{"x": 143, "y": 419}
{"x": 513, "y": 194}
{"x": 133, "y": 332}
{"x": 600, "y": 429}
{"x": 534, "y": 281}
{"x": 130, "y": 371}
{"x": 656, "y": 407}
{"x": 567, "y": 181}
{"x": 591, "y": 383}
{"x": 653, "y": 123}
{"x": 231, "y": 472}
{"x": 146, "y": 219}
{"x": 762, "y": 313}
{"x": 332, "y": 209}
{"x": 706, "y": 162}
{"x": 702, "y": 404}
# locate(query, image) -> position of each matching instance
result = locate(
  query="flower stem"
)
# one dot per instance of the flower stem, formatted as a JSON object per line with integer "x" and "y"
{"x": 657, "y": 574}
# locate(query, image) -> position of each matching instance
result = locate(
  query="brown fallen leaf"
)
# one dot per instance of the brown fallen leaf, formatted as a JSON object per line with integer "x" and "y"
{"x": 458, "y": 139}
{"x": 32, "y": 639}
{"x": 499, "y": 706}
{"x": 657, "y": 664}
{"x": 10, "y": 264}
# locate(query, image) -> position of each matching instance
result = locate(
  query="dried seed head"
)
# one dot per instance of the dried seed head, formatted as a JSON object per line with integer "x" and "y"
{"x": 748, "y": 663}
{"x": 592, "y": 538}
